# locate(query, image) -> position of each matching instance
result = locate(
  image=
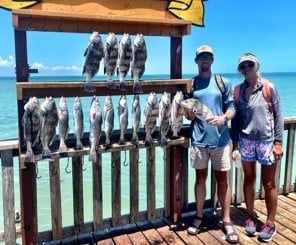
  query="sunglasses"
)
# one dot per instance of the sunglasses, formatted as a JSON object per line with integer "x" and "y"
{"x": 249, "y": 65}
{"x": 205, "y": 57}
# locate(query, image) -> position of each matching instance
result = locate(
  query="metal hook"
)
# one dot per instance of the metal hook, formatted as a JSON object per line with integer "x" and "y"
{"x": 37, "y": 176}
{"x": 125, "y": 164}
{"x": 66, "y": 168}
{"x": 83, "y": 169}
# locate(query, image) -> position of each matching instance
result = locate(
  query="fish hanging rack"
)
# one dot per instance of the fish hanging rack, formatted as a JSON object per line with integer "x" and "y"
{"x": 39, "y": 20}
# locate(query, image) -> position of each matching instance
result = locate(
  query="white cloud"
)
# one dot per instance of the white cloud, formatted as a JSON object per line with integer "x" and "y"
{"x": 7, "y": 62}
{"x": 40, "y": 67}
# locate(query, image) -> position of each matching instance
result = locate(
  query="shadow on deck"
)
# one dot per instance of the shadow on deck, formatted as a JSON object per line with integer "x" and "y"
{"x": 162, "y": 231}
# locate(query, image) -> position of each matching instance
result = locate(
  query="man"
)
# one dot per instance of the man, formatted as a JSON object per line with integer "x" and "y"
{"x": 210, "y": 140}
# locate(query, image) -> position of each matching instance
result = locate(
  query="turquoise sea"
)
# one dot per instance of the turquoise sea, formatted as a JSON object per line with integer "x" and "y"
{"x": 285, "y": 83}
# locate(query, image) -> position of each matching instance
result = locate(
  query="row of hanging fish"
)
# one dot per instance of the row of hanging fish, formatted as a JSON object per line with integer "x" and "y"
{"x": 118, "y": 58}
{"x": 40, "y": 122}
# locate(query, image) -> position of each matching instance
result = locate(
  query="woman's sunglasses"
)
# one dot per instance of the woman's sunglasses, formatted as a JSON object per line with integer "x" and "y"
{"x": 243, "y": 66}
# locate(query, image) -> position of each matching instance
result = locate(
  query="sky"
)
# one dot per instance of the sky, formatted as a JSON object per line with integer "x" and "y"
{"x": 265, "y": 28}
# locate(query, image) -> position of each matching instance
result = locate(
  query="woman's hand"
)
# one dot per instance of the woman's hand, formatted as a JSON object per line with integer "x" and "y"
{"x": 277, "y": 150}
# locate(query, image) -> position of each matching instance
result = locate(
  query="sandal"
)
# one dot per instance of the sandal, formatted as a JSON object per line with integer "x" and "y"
{"x": 194, "y": 229}
{"x": 229, "y": 235}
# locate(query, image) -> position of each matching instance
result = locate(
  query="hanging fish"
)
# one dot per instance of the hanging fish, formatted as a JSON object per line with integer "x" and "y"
{"x": 108, "y": 117}
{"x": 136, "y": 113}
{"x": 164, "y": 117}
{"x": 125, "y": 53}
{"x": 95, "y": 119}
{"x": 93, "y": 56}
{"x": 31, "y": 122}
{"x": 151, "y": 112}
{"x": 138, "y": 62}
{"x": 78, "y": 123}
{"x": 110, "y": 59}
{"x": 123, "y": 118}
{"x": 177, "y": 114}
{"x": 49, "y": 121}
{"x": 63, "y": 116}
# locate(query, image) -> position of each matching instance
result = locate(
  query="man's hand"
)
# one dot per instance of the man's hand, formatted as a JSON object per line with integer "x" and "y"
{"x": 190, "y": 114}
{"x": 217, "y": 120}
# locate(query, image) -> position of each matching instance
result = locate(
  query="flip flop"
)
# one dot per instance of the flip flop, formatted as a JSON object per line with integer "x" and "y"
{"x": 228, "y": 236}
{"x": 194, "y": 229}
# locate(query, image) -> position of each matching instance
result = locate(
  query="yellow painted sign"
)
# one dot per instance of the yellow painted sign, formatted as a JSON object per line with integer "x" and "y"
{"x": 191, "y": 10}
{"x": 10, "y": 4}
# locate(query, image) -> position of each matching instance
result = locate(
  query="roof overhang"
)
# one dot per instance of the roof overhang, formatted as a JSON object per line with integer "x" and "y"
{"x": 133, "y": 16}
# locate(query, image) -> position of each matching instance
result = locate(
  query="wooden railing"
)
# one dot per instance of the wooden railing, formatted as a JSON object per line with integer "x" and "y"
{"x": 177, "y": 149}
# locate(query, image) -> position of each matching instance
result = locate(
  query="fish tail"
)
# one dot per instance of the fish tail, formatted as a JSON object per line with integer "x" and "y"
{"x": 137, "y": 88}
{"x": 163, "y": 141}
{"x": 79, "y": 145}
{"x": 92, "y": 154}
{"x": 111, "y": 85}
{"x": 29, "y": 158}
{"x": 122, "y": 86}
{"x": 121, "y": 141}
{"x": 46, "y": 154}
{"x": 63, "y": 148}
{"x": 89, "y": 87}
{"x": 148, "y": 140}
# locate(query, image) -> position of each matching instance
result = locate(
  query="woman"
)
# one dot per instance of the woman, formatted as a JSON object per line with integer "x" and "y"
{"x": 257, "y": 131}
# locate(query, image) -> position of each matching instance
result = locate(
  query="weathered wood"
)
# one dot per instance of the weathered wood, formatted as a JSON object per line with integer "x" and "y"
{"x": 21, "y": 56}
{"x": 77, "y": 180}
{"x": 150, "y": 158}
{"x": 289, "y": 159}
{"x": 116, "y": 188}
{"x": 176, "y": 183}
{"x": 55, "y": 197}
{"x": 97, "y": 193}
{"x": 148, "y": 17}
{"x": 167, "y": 182}
{"x": 28, "y": 189}
{"x": 134, "y": 185}
{"x": 8, "y": 197}
{"x": 176, "y": 57}
{"x": 42, "y": 89}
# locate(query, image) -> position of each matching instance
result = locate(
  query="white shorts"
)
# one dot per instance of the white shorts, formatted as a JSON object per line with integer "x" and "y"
{"x": 219, "y": 156}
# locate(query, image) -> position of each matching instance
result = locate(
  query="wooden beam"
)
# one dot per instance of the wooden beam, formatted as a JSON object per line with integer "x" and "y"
{"x": 25, "y": 90}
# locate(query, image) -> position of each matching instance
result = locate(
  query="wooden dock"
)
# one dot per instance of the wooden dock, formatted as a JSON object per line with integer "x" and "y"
{"x": 161, "y": 230}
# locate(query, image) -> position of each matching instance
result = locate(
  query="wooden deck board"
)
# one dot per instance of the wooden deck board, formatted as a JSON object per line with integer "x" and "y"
{"x": 161, "y": 231}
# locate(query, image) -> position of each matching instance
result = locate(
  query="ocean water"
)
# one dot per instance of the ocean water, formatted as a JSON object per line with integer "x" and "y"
{"x": 8, "y": 130}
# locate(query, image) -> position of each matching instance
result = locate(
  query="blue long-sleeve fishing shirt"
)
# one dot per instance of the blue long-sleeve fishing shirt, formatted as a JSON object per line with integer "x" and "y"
{"x": 207, "y": 91}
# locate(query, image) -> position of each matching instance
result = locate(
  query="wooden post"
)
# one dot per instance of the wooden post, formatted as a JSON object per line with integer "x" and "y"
{"x": 77, "y": 180}
{"x": 97, "y": 193}
{"x": 150, "y": 156}
{"x": 289, "y": 159}
{"x": 21, "y": 57}
{"x": 116, "y": 188}
{"x": 29, "y": 204}
{"x": 176, "y": 183}
{"x": 176, "y": 57}
{"x": 55, "y": 196}
{"x": 8, "y": 197}
{"x": 134, "y": 185}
